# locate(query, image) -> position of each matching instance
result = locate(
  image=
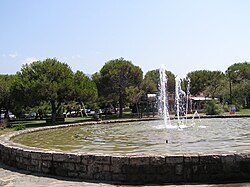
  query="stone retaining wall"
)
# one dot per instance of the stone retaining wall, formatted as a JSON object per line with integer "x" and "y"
{"x": 137, "y": 169}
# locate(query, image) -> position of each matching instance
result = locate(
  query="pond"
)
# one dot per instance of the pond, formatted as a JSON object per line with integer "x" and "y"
{"x": 150, "y": 137}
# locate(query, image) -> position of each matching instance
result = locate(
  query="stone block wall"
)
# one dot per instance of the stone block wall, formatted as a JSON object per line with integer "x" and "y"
{"x": 133, "y": 169}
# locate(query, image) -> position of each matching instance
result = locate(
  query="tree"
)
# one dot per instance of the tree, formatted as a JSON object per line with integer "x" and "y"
{"x": 41, "y": 81}
{"x": 152, "y": 79}
{"x": 198, "y": 81}
{"x": 214, "y": 84}
{"x": 6, "y": 99}
{"x": 239, "y": 83}
{"x": 133, "y": 96}
{"x": 115, "y": 77}
{"x": 85, "y": 90}
{"x": 205, "y": 82}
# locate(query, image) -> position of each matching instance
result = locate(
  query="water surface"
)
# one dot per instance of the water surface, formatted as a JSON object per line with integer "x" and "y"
{"x": 151, "y": 137}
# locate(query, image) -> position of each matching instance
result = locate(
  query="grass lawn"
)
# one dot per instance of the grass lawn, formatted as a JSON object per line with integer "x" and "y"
{"x": 22, "y": 124}
{"x": 77, "y": 119}
{"x": 26, "y": 124}
{"x": 5, "y": 130}
{"x": 243, "y": 111}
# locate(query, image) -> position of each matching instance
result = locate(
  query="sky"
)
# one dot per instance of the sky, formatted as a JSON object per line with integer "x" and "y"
{"x": 184, "y": 35}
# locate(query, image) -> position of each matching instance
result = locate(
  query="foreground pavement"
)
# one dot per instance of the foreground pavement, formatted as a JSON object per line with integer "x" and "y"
{"x": 11, "y": 177}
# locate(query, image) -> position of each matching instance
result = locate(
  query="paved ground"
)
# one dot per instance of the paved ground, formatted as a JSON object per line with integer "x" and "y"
{"x": 11, "y": 177}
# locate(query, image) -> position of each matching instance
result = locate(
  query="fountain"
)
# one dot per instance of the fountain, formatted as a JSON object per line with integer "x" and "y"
{"x": 135, "y": 152}
{"x": 163, "y": 101}
{"x": 180, "y": 97}
{"x": 187, "y": 97}
{"x": 181, "y": 100}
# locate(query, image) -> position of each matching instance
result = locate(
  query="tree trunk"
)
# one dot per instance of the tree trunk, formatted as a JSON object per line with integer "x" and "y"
{"x": 120, "y": 105}
{"x": 137, "y": 109}
{"x": 84, "y": 109}
{"x": 53, "y": 106}
{"x": 248, "y": 101}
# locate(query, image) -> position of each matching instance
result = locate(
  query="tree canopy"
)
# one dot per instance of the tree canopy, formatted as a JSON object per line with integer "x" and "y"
{"x": 85, "y": 90}
{"x": 119, "y": 83}
{"x": 239, "y": 79}
{"x": 6, "y": 98}
{"x": 48, "y": 80}
{"x": 115, "y": 77}
{"x": 205, "y": 81}
{"x": 152, "y": 79}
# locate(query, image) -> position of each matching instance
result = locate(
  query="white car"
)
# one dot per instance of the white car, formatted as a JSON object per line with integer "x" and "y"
{"x": 11, "y": 116}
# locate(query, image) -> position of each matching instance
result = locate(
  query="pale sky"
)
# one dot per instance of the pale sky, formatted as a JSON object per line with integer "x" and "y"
{"x": 184, "y": 35}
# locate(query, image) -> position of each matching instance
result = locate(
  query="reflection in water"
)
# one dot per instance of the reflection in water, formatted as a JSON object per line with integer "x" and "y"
{"x": 202, "y": 136}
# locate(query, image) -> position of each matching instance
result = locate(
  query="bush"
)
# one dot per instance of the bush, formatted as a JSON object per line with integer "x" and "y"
{"x": 5, "y": 125}
{"x": 238, "y": 106}
{"x": 19, "y": 127}
{"x": 213, "y": 108}
{"x": 2, "y": 126}
{"x": 226, "y": 108}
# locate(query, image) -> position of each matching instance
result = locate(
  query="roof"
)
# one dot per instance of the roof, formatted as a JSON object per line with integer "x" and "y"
{"x": 200, "y": 98}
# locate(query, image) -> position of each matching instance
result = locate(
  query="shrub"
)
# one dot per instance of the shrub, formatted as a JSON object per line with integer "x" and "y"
{"x": 213, "y": 108}
{"x": 19, "y": 127}
{"x": 5, "y": 125}
{"x": 2, "y": 126}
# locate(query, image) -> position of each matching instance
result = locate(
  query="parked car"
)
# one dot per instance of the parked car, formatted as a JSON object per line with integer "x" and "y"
{"x": 30, "y": 115}
{"x": 10, "y": 116}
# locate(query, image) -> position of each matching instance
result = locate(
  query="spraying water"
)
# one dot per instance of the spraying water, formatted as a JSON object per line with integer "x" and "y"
{"x": 187, "y": 98}
{"x": 163, "y": 102}
{"x": 179, "y": 100}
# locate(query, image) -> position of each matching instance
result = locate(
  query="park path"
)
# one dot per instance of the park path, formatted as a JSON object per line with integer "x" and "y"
{"x": 11, "y": 177}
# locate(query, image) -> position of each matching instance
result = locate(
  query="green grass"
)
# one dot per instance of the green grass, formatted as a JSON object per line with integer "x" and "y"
{"x": 21, "y": 125}
{"x": 26, "y": 124}
{"x": 243, "y": 111}
{"x": 29, "y": 123}
{"x": 5, "y": 130}
{"x": 77, "y": 119}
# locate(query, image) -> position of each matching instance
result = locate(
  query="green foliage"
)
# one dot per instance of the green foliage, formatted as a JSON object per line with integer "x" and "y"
{"x": 207, "y": 82}
{"x": 85, "y": 90}
{"x": 238, "y": 72}
{"x": 244, "y": 111}
{"x": 6, "y": 94}
{"x": 19, "y": 127}
{"x": 213, "y": 108}
{"x": 239, "y": 78}
{"x": 152, "y": 79}
{"x": 114, "y": 78}
{"x": 133, "y": 96}
{"x": 45, "y": 81}
{"x": 49, "y": 85}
